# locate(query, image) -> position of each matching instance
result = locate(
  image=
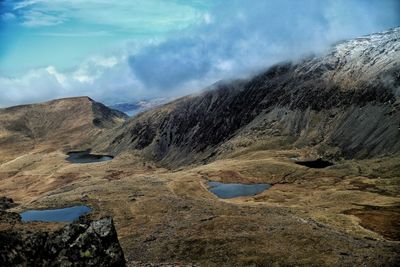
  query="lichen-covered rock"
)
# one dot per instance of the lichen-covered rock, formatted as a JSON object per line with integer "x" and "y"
{"x": 9, "y": 217}
{"x": 85, "y": 243}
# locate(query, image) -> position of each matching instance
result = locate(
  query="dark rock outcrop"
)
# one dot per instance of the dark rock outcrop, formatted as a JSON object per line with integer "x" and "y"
{"x": 8, "y": 217}
{"x": 6, "y": 203}
{"x": 85, "y": 243}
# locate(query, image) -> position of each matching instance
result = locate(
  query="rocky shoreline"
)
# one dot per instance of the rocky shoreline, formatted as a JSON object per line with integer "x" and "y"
{"x": 82, "y": 243}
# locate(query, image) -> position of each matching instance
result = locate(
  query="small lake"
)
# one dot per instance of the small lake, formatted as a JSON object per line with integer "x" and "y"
{"x": 86, "y": 157}
{"x": 225, "y": 190}
{"x": 55, "y": 215}
{"x": 315, "y": 164}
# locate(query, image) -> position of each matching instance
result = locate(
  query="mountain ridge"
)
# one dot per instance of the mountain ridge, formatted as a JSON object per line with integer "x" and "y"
{"x": 54, "y": 124}
{"x": 285, "y": 101}
{"x": 292, "y": 127}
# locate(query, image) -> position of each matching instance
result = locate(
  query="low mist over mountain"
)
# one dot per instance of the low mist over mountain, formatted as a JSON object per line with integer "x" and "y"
{"x": 233, "y": 133}
{"x": 346, "y": 102}
{"x": 165, "y": 48}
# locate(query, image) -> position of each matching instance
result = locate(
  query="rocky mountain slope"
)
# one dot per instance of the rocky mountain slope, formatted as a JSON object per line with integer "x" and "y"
{"x": 54, "y": 124}
{"x": 344, "y": 104}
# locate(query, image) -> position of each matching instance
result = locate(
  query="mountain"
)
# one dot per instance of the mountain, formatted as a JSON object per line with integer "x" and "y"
{"x": 345, "y": 103}
{"x": 54, "y": 124}
{"x": 288, "y": 130}
{"x": 133, "y": 108}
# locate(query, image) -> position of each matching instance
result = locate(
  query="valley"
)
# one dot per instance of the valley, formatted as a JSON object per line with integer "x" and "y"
{"x": 322, "y": 135}
{"x": 166, "y": 217}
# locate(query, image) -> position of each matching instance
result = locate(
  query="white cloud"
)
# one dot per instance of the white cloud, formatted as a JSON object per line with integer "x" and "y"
{"x": 130, "y": 15}
{"x": 8, "y": 16}
{"x": 107, "y": 62}
{"x": 248, "y": 36}
{"x": 225, "y": 65}
{"x": 105, "y": 78}
{"x": 25, "y": 3}
{"x": 31, "y": 87}
{"x": 93, "y": 68}
{"x": 76, "y": 34}
{"x": 61, "y": 79}
{"x": 236, "y": 39}
{"x": 34, "y": 18}
{"x": 208, "y": 18}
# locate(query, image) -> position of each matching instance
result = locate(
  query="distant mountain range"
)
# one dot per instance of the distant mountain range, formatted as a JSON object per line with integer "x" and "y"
{"x": 135, "y": 107}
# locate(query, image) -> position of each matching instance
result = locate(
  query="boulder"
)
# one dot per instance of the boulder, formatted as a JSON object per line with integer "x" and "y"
{"x": 84, "y": 243}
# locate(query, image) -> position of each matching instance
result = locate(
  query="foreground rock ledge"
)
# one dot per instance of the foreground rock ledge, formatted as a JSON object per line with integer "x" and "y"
{"x": 85, "y": 243}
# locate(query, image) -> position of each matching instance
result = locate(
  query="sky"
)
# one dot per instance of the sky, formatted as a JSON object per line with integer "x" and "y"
{"x": 126, "y": 50}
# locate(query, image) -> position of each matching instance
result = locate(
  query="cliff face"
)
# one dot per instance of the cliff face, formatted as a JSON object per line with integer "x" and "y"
{"x": 348, "y": 99}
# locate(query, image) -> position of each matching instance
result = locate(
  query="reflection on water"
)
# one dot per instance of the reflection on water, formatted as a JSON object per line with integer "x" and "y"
{"x": 315, "y": 164}
{"x": 86, "y": 157}
{"x": 225, "y": 190}
{"x": 55, "y": 215}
